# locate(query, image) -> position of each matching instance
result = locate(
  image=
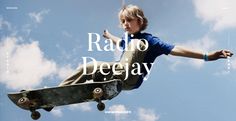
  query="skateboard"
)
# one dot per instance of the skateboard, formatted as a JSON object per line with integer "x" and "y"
{"x": 47, "y": 98}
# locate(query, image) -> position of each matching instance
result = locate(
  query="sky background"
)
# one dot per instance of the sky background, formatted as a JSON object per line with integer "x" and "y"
{"x": 42, "y": 42}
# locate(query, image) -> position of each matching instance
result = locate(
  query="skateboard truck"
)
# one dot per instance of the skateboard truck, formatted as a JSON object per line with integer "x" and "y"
{"x": 24, "y": 101}
{"x": 97, "y": 94}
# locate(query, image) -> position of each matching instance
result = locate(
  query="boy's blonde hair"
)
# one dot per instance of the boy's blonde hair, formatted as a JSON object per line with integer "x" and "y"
{"x": 132, "y": 12}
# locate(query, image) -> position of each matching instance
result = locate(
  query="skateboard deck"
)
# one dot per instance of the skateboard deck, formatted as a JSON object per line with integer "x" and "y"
{"x": 57, "y": 96}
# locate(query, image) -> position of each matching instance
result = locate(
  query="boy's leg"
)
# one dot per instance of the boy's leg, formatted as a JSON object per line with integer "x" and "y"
{"x": 130, "y": 57}
{"x": 79, "y": 77}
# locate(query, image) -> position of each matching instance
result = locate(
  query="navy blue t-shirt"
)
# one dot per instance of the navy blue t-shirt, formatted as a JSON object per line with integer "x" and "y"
{"x": 156, "y": 48}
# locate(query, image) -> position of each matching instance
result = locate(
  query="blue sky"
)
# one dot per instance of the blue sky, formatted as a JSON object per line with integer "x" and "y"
{"x": 42, "y": 42}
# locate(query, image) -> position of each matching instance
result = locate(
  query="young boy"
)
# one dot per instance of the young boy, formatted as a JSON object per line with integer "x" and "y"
{"x": 145, "y": 51}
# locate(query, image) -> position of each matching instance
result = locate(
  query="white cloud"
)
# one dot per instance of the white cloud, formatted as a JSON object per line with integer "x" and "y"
{"x": 219, "y": 12}
{"x": 86, "y": 107}
{"x": 27, "y": 29}
{"x": 120, "y": 112}
{"x": 23, "y": 66}
{"x": 147, "y": 115}
{"x": 64, "y": 72}
{"x": 175, "y": 63}
{"x": 57, "y": 112}
{"x": 38, "y": 17}
{"x": 35, "y": 17}
{"x": 203, "y": 44}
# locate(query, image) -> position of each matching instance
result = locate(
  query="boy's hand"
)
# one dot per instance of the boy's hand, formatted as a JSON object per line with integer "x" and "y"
{"x": 219, "y": 54}
{"x": 106, "y": 34}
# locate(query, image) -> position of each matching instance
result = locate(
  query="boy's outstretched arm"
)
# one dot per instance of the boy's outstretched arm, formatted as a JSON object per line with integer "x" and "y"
{"x": 181, "y": 51}
{"x": 115, "y": 39}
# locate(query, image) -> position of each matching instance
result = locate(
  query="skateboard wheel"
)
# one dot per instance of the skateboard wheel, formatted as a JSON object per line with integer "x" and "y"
{"x": 23, "y": 101}
{"x": 97, "y": 93}
{"x": 101, "y": 106}
{"x": 35, "y": 115}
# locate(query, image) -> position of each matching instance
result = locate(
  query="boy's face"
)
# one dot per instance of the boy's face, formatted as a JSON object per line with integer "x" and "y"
{"x": 130, "y": 25}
